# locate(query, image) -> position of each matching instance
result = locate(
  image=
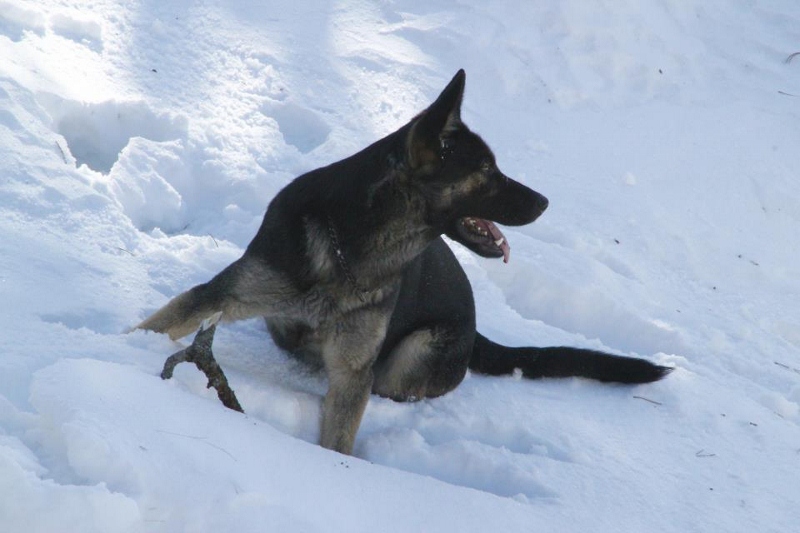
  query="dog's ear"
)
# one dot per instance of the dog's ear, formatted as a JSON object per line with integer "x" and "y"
{"x": 432, "y": 126}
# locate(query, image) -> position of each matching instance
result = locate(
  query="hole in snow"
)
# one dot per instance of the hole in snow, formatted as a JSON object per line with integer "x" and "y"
{"x": 82, "y": 31}
{"x": 300, "y": 127}
{"x": 16, "y": 20}
{"x": 97, "y": 133}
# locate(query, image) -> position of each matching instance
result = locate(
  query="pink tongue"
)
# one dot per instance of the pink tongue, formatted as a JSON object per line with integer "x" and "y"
{"x": 496, "y": 234}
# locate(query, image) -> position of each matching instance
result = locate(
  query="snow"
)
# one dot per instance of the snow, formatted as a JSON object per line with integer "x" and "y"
{"x": 140, "y": 143}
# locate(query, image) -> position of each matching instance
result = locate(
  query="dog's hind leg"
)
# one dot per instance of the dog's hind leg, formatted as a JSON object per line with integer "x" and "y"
{"x": 426, "y": 363}
{"x": 240, "y": 291}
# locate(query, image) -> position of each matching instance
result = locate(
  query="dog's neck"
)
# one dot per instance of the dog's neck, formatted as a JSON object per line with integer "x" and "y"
{"x": 395, "y": 214}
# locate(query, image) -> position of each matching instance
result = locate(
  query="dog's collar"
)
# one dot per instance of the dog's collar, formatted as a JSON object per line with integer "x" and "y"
{"x": 340, "y": 258}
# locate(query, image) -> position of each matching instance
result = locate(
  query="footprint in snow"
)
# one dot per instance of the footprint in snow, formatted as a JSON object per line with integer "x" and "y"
{"x": 96, "y": 133}
{"x": 15, "y": 21}
{"x": 83, "y": 31}
{"x": 302, "y": 128}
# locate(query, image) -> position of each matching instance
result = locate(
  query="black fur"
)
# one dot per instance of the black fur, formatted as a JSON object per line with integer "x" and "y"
{"x": 561, "y": 362}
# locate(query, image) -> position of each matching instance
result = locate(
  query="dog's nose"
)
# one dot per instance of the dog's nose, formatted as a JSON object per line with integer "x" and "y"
{"x": 542, "y": 202}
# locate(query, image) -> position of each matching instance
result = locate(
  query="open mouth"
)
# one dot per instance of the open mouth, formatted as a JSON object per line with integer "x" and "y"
{"x": 485, "y": 236}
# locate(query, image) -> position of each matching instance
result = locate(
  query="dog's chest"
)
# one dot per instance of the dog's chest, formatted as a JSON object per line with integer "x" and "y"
{"x": 318, "y": 315}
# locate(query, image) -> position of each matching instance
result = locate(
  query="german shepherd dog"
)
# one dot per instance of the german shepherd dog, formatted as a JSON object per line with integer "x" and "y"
{"x": 351, "y": 274}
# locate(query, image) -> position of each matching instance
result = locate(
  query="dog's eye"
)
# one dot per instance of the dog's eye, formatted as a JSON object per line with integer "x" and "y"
{"x": 448, "y": 145}
{"x": 487, "y": 165}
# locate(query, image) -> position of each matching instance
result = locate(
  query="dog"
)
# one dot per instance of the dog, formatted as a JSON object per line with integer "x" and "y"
{"x": 350, "y": 272}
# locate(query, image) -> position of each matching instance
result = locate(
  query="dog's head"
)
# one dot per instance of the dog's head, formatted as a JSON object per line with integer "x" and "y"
{"x": 457, "y": 173}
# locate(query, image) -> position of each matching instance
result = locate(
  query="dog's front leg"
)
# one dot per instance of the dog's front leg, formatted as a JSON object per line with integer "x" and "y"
{"x": 349, "y": 353}
{"x": 343, "y": 408}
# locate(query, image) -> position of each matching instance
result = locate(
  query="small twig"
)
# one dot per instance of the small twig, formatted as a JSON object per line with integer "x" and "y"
{"x": 787, "y": 367}
{"x": 126, "y": 251}
{"x": 204, "y": 440}
{"x": 213, "y": 239}
{"x": 703, "y": 454}
{"x": 61, "y": 150}
{"x": 201, "y": 355}
{"x": 648, "y": 400}
{"x": 784, "y": 93}
{"x": 790, "y": 57}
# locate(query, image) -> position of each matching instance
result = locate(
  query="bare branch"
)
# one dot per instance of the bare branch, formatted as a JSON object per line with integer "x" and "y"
{"x": 201, "y": 355}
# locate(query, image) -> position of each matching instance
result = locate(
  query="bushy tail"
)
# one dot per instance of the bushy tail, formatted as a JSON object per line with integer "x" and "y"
{"x": 184, "y": 313}
{"x": 561, "y": 362}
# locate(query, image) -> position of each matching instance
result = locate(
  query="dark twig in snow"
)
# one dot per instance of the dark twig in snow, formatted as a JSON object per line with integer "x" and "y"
{"x": 648, "y": 400}
{"x": 61, "y": 150}
{"x": 787, "y": 367}
{"x": 703, "y": 454}
{"x": 790, "y": 57}
{"x": 201, "y": 355}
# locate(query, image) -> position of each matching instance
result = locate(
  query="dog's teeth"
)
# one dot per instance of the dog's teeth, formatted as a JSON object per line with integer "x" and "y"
{"x": 500, "y": 241}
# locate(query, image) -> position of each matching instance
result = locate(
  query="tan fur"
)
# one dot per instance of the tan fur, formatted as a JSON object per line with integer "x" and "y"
{"x": 395, "y": 376}
{"x": 173, "y": 320}
{"x": 319, "y": 250}
{"x": 348, "y": 355}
